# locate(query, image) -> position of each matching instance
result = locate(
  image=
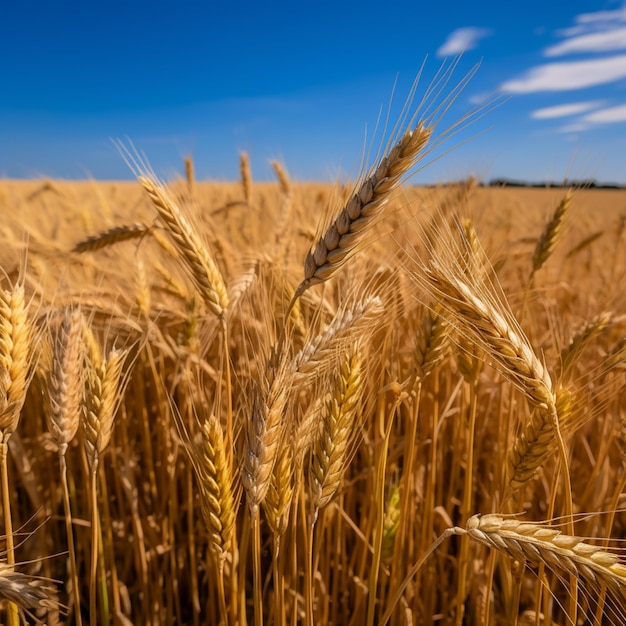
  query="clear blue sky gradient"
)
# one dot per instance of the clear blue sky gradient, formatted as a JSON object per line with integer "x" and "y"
{"x": 304, "y": 83}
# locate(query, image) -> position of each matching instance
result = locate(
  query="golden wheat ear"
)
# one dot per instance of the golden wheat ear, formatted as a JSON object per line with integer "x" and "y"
{"x": 111, "y": 237}
{"x": 341, "y": 240}
{"x": 331, "y": 454}
{"x": 66, "y": 378}
{"x": 196, "y": 257}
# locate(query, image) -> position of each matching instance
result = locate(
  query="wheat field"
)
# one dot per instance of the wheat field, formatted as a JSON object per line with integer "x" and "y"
{"x": 283, "y": 403}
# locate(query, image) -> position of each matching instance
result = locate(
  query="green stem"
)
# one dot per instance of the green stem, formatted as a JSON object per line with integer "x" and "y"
{"x": 70, "y": 539}
{"x": 13, "y": 618}
{"x": 256, "y": 566}
{"x": 467, "y": 504}
{"x": 379, "y": 499}
{"x": 93, "y": 574}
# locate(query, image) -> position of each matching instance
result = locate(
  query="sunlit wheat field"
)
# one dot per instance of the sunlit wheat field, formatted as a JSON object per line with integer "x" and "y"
{"x": 295, "y": 403}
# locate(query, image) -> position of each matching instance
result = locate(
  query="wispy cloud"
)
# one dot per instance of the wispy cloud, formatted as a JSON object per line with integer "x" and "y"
{"x": 569, "y": 75}
{"x": 574, "y": 127}
{"x": 607, "y": 116}
{"x": 603, "y": 16}
{"x": 564, "y": 110}
{"x": 592, "y": 34}
{"x": 461, "y": 40}
{"x": 614, "y": 39}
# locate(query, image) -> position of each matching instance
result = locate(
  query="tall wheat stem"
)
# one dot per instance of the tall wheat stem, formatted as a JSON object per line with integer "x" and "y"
{"x": 12, "y": 612}
{"x": 95, "y": 522}
{"x": 256, "y": 565}
{"x": 400, "y": 556}
{"x": 466, "y": 506}
{"x": 70, "y": 539}
{"x": 379, "y": 500}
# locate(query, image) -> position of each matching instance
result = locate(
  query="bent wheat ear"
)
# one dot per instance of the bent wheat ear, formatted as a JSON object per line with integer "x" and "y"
{"x": 196, "y": 257}
{"x": 563, "y": 554}
{"x": 494, "y": 329}
{"x": 346, "y": 232}
{"x": 318, "y": 352}
{"x": 111, "y": 237}
{"x": 27, "y": 592}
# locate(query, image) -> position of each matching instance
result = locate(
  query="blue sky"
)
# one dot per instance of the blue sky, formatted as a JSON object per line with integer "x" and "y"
{"x": 304, "y": 83}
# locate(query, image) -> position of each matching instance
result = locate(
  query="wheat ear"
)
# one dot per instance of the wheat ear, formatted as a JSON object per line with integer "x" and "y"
{"x": 264, "y": 434}
{"x": 551, "y": 234}
{"x": 104, "y": 390}
{"x": 535, "y": 544}
{"x": 571, "y": 353}
{"x": 346, "y": 232}
{"x": 196, "y": 257}
{"x": 488, "y": 324}
{"x": 15, "y": 373}
{"x": 189, "y": 175}
{"x": 15, "y": 358}
{"x": 535, "y": 442}
{"x": 214, "y": 475}
{"x": 431, "y": 343}
{"x": 111, "y": 237}
{"x": 246, "y": 177}
{"x": 27, "y": 592}
{"x": 277, "y": 503}
{"x": 318, "y": 352}
{"x": 330, "y": 455}
{"x": 103, "y": 394}
{"x": 65, "y": 383}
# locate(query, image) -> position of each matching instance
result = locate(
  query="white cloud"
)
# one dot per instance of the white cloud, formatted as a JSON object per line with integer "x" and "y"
{"x": 618, "y": 15}
{"x": 461, "y": 40}
{"x": 564, "y": 110}
{"x": 575, "y": 127}
{"x": 607, "y": 116}
{"x": 566, "y": 76}
{"x": 614, "y": 39}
